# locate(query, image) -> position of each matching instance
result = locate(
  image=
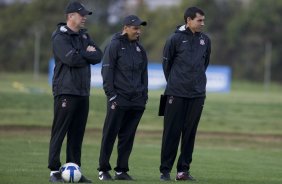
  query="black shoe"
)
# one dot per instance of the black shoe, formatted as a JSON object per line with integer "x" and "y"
{"x": 105, "y": 176}
{"x": 165, "y": 177}
{"x": 184, "y": 176}
{"x": 122, "y": 176}
{"x": 56, "y": 177}
{"x": 83, "y": 179}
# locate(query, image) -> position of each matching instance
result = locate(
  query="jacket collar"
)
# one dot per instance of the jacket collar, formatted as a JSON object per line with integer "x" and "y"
{"x": 123, "y": 37}
{"x": 65, "y": 29}
{"x": 186, "y": 30}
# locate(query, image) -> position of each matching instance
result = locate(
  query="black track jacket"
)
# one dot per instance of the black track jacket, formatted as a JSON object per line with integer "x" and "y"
{"x": 185, "y": 60}
{"x": 124, "y": 70}
{"x": 72, "y": 73}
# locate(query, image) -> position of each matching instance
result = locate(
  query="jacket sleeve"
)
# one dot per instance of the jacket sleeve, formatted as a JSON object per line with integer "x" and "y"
{"x": 64, "y": 50}
{"x": 168, "y": 56}
{"x": 207, "y": 59}
{"x": 145, "y": 75}
{"x": 108, "y": 69}
{"x": 92, "y": 57}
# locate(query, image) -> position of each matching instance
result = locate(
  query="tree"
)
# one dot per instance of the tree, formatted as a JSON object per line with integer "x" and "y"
{"x": 248, "y": 33}
{"x": 238, "y": 31}
{"x": 17, "y": 32}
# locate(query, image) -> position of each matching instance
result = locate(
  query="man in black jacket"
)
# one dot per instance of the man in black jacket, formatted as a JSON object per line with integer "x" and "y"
{"x": 125, "y": 81}
{"x": 74, "y": 51}
{"x": 185, "y": 59}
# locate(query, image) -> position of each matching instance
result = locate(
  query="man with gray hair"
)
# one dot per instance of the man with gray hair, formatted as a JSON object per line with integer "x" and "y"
{"x": 74, "y": 52}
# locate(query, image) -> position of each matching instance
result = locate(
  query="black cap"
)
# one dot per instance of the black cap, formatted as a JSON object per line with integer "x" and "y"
{"x": 133, "y": 20}
{"x": 78, "y": 8}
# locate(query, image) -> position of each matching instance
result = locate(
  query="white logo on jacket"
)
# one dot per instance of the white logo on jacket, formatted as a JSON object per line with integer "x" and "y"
{"x": 84, "y": 36}
{"x": 202, "y": 42}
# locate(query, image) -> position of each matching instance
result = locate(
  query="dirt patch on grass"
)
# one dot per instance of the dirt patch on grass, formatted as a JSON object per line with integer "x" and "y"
{"x": 38, "y": 130}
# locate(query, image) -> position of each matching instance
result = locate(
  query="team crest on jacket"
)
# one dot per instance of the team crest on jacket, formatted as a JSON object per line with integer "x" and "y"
{"x": 202, "y": 42}
{"x": 138, "y": 49}
{"x": 170, "y": 100}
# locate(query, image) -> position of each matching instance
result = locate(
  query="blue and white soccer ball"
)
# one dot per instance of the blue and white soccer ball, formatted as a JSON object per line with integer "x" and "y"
{"x": 70, "y": 172}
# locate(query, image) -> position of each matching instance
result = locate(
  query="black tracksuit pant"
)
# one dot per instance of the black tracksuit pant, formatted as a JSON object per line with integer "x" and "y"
{"x": 121, "y": 122}
{"x": 70, "y": 117}
{"x": 181, "y": 119}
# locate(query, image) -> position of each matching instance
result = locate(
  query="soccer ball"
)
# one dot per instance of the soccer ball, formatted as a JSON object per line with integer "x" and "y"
{"x": 70, "y": 172}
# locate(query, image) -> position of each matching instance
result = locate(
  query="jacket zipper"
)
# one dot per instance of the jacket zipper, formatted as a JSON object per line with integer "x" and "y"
{"x": 132, "y": 63}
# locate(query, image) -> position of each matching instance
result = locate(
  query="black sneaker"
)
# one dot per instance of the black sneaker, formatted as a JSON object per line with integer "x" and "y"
{"x": 56, "y": 177}
{"x": 122, "y": 176}
{"x": 180, "y": 176}
{"x": 83, "y": 179}
{"x": 105, "y": 175}
{"x": 165, "y": 177}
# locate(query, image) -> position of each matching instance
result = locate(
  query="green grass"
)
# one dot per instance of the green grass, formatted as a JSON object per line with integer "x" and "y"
{"x": 239, "y": 139}
{"x": 24, "y": 159}
{"x": 247, "y": 109}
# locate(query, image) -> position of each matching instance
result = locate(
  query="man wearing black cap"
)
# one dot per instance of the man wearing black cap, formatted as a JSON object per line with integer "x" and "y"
{"x": 74, "y": 51}
{"x": 186, "y": 57}
{"x": 125, "y": 82}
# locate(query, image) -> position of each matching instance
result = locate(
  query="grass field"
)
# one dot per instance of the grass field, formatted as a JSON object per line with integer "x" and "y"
{"x": 239, "y": 139}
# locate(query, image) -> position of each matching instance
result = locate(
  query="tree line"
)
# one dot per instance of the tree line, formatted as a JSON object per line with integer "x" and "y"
{"x": 240, "y": 32}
